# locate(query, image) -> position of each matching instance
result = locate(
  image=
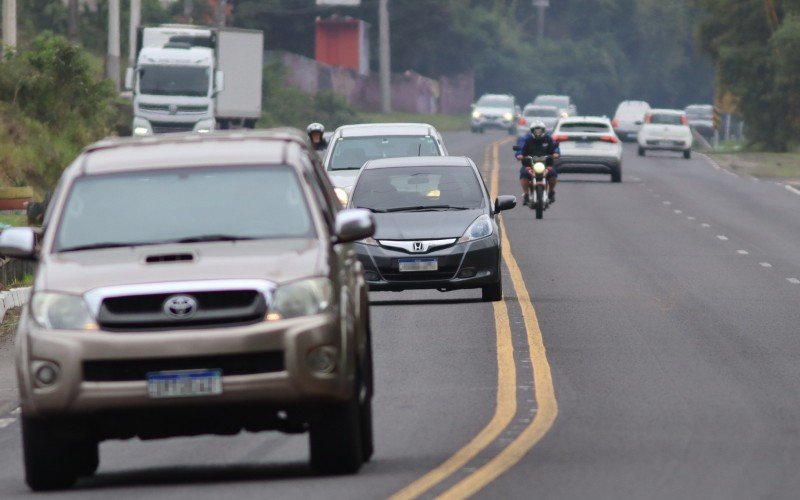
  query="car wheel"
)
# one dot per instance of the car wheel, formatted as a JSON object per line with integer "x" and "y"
{"x": 493, "y": 292}
{"x": 512, "y": 131}
{"x": 687, "y": 154}
{"x": 365, "y": 401}
{"x": 616, "y": 175}
{"x": 474, "y": 130}
{"x": 51, "y": 462}
{"x": 642, "y": 151}
{"x": 335, "y": 441}
{"x": 88, "y": 458}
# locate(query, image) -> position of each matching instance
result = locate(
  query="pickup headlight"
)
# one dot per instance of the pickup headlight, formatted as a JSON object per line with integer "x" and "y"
{"x": 476, "y": 114}
{"x": 60, "y": 311}
{"x": 480, "y": 228}
{"x": 301, "y": 298}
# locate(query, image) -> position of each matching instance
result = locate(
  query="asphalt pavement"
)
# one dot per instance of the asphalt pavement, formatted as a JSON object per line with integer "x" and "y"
{"x": 668, "y": 308}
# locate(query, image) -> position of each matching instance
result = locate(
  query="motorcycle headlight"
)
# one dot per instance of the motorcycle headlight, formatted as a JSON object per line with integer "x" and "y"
{"x": 480, "y": 228}
{"x": 508, "y": 117}
{"x": 302, "y": 298}
{"x": 476, "y": 114}
{"x": 60, "y": 311}
{"x": 539, "y": 167}
{"x": 342, "y": 195}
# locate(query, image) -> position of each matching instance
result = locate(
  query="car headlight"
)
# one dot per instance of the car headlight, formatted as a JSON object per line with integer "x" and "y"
{"x": 539, "y": 167}
{"x": 564, "y": 114}
{"x": 476, "y": 114}
{"x": 140, "y": 131}
{"x": 60, "y": 311}
{"x": 341, "y": 194}
{"x": 203, "y": 130}
{"x": 508, "y": 117}
{"x": 480, "y": 228}
{"x": 370, "y": 241}
{"x": 301, "y": 298}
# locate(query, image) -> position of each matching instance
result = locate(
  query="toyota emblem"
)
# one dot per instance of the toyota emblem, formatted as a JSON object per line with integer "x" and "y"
{"x": 180, "y": 306}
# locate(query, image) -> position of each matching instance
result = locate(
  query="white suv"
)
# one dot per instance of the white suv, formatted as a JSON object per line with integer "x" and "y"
{"x": 588, "y": 146}
{"x": 666, "y": 130}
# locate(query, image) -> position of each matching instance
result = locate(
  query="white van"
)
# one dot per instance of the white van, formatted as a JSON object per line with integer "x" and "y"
{"x": 629, "y": 118}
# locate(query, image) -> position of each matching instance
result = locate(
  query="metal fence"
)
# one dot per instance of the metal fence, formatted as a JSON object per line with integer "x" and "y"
{"x": 14, "y": 271}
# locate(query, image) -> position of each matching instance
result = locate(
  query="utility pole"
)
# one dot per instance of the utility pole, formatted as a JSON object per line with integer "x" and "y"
{"x": 9, "y": 24}
{"x": 73, "y": 15}
{"x": 541, "y": 6}
{"x": 136, "y": 19}
{"x": 219, "y": 14}
{"x": 188, "y": 10}
{"x": 112, "y": 59}
{"x": 384, "y": 56}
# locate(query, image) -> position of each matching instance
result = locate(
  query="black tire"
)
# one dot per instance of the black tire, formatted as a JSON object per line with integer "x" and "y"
{"x": 88, "y": 456}
{"x": 481, "y": 130}
{"x": 50, "y": 461}
{"x": 539, "y": 205}
{"x": 493, "y": 292}
{"x": 474, "y": 130}
{"x": 642, "y": 151}
{"x": 687, "y": 154}
{"x": 365, "y": 402}
{"x": 616, "y": 175}
{"x": 335, "y": 441}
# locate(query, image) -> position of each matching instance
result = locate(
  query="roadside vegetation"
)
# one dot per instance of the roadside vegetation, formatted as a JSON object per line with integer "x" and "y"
{"x": 10, "y": 320}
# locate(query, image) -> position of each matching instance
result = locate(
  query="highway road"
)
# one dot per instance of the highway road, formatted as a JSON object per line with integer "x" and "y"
{"x": 648, "y": 347}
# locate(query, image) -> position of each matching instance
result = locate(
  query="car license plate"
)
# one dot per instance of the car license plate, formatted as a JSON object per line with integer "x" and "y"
{"x": 666, "y": 143}
{"x": 184, "y": 383}
{"x": 418, "y": 265}
{"x": 583, "y": 144}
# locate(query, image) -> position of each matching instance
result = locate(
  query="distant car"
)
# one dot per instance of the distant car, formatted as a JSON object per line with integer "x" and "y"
{"x": 549, "y": 115}
{"x": 629, "y": 119}
{"x": 666, "y": 130}
{"x": 701, "y": 117}
{"x": 562, "y": 102}
{"x": 436, "y": 226}
{"x": 495, "y": 111}
{"x": 588, "y": 146}
{"x": 353, "y": 145}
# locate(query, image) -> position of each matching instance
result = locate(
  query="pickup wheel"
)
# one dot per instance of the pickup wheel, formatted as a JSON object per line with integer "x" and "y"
{"x": 335, "y": 441}
{"x": 50, "y": 460}
{"x": 88, "y": 457}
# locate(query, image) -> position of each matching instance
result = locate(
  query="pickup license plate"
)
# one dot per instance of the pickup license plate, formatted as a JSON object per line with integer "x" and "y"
{"x": 418, "y": 265}
{"x": 666, "y": 143}
{"x": 184, "y": 383}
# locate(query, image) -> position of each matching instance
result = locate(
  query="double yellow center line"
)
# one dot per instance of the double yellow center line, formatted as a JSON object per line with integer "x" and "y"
{"x": 506, "y": 405}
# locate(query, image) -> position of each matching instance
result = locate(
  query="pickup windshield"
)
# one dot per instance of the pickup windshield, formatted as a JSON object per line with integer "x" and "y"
{"x": 183, "y": 206}
{"x": 174, "y": 80}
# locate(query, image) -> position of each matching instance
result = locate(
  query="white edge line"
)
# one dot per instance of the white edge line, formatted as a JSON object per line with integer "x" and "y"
{"x": 793, "y": 190}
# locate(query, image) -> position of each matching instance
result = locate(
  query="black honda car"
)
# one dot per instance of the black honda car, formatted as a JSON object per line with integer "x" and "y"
{"x": 436, "y": 225}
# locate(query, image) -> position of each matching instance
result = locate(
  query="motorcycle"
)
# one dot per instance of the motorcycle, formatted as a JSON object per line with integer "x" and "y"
{"x": 540, "y": 197}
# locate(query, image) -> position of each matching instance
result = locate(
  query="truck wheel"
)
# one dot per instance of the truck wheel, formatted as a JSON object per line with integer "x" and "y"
{"x": 335, "y": 441}
{"x": 493, "y": 292}
{"x": 50, "y": 461}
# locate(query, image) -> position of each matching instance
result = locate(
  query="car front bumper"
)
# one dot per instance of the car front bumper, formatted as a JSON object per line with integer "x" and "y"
{"x": 492, "y": 122}
{"x": 461, "y": 266}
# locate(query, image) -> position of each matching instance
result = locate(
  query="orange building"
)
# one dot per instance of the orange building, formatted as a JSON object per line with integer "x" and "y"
{"x": 343, "y": 41}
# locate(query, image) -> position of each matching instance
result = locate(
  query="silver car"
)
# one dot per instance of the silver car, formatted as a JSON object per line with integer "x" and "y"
{"x": 549, "y": 115}
{"x": 499, "y": 111}
{"x": 353, "y": 145}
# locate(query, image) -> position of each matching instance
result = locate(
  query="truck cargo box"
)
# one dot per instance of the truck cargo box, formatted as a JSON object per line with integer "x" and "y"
{"x": 240, "y": 56}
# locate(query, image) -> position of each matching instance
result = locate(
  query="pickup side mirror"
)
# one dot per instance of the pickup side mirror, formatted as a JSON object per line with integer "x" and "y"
{"x": 505, "y": 202}
{"x": 353, "y": 224}
{"x": 129, "y": 79}
{"x": 219, "y": 81}
{"x": 18, "y": 243}
{"x": 516, "y": 148}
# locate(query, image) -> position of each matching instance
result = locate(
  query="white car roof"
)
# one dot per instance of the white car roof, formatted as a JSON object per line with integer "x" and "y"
{"x": 667, "y": 112}
{"x": 374, "y": 129}
{"x": 584, "y": 119}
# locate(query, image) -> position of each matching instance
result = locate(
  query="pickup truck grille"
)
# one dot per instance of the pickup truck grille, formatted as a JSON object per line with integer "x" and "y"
{"x": 171, "y": 128}
{"x": 209, "y": 309}
{"x": 125, "y": 370}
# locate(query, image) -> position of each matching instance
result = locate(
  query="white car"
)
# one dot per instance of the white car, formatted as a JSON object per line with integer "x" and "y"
{"x": 562, "y": 102}
{"x": 629, "y": 119}
{"x": 666, "y": 130}
{"x": 548, "y": 115}
{"x": 588, "y": 146}
{"x": 353, "y": 145}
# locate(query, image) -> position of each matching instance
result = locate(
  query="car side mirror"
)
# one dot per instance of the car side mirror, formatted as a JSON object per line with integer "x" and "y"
{"x": 353, "y": 224}
{"x": 18, "y": 243}
{"x": 129, "y": 79}
{"x": 504, "y": 202}
{"x": 516, "y": 148}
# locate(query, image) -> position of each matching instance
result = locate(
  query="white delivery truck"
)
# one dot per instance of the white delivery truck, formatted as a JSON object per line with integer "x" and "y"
{"x": 191, "y": 78}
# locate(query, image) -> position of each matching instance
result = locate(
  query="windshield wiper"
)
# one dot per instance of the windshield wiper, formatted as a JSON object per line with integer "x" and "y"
{"x": 212, "y": 237}
{"x": 102, "y": 245}
{"x": 422, "y": 208}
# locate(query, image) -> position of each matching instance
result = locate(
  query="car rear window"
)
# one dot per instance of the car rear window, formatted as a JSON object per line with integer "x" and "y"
{"x": 633, "y": 111}
{"x": 665, "y": 119}
{"x": 149, "y": 207}
{"x": 544, "y": 112}
{"x": 584, "y": 127}
{"x": 350, "y": 153}
{"x": 382, "y": 189}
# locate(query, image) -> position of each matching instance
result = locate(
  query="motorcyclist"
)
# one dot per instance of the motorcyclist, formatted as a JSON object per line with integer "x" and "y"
{"x": 538, "y": 143}
{"x": 316, "y": 133}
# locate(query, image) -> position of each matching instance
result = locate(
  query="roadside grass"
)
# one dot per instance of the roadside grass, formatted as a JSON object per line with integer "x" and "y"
{"x": 10, "y": 321}
{"x": 26, "y": 280}
{"x": 13, "y": 219}
{"x": 784, "y": 166}
{"x": 443, "y": 123}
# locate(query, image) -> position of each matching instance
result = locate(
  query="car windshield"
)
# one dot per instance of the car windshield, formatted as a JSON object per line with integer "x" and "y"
{"x": 350, "y": 153}
{"x": 666, "y": 119}
{"x": 418, "y": 188}
{"x": 558, "y": 102}
{"x": 543, "y": 112}
{"x": 584, "y": 127}
{"x": 174, "y": 80}
{"x": 495, "y": 102}
{"x": 208, "y": 204}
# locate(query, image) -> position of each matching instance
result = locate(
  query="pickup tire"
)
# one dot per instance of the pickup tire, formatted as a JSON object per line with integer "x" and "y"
{"x": 335, "y": 441}
{"x": 641, "y": 151}
{"x": 51, "y": 461}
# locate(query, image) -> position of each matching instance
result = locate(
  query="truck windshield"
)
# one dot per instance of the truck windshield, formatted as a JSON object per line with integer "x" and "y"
{"x": 174, "y": 80}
